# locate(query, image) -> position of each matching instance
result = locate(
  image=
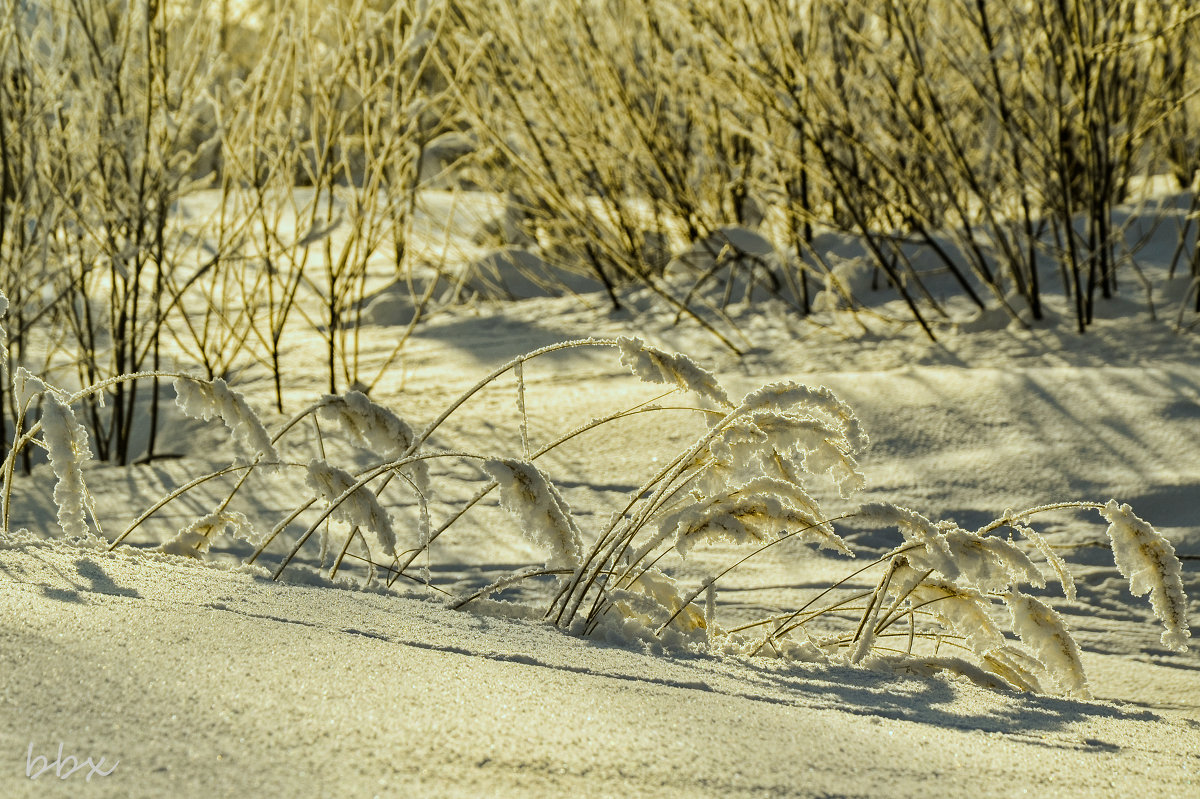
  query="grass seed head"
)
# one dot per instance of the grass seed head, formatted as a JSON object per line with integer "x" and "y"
{"x": 360, "y": 508}
{"x": 195, "y": 539}
{"x": 1148, "y": 561}
{"x": 544, "y": 516}
{"x": 1044, "y": 631}
{"x": 67, "y": 445}
{"x": 202, "y": 399}
{"x": 658, "y": 366}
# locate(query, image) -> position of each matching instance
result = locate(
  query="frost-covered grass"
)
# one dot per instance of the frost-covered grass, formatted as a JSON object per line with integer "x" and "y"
{"x": 944, "y": 597}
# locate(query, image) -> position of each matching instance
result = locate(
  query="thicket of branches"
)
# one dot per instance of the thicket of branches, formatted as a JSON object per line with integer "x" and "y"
{"x": 172, "y": 173}
{"x": 999, "y": 134}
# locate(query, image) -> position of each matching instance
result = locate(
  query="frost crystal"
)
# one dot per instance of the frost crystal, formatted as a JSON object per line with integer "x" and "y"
{"x": 757, "y": 512}
{"x": 653, "y": 598}
{"x": 370, "y": 425}
{"x": 791, "y": 398}
{"x": 360, "y": 508}
{"x": 201, "y": 399}
{"x": 964, "y": 610}
{"x": 544, "y": 516}
{"x": 657, "y": 366}
{"x": 26, "y": 386}
{"x": 986, "y": 563}
{"x": 1148, "y": 561}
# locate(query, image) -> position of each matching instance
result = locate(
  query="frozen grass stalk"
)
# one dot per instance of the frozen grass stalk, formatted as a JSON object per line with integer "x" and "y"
{"x": 543, "y": 515}
{"x": 356, "y": 506}
{"x": 657, "y": 366}
{"x": 195, "y": 539}
{"x": 1045, "y": 632}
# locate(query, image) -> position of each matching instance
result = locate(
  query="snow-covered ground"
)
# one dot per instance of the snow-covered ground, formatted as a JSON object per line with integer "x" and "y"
{"x": 216, "y": 681}
{"x": 209, "y": 683}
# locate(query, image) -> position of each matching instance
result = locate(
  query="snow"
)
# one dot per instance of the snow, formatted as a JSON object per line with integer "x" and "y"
{"x": 238, "y": 686}
{"x": 205, "y": 679}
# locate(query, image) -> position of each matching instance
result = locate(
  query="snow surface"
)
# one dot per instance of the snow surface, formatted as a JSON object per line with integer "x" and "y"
{"x": 214, "y": 683}
{"x": 209, "y": 681}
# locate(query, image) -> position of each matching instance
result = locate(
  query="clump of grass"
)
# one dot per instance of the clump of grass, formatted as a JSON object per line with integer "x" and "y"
{"x": 750, "y": 478}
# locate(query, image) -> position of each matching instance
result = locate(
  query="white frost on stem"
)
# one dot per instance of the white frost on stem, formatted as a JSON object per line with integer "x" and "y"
{"x": 360, "y": 508}
{"x": 653, "y": 598}
{"x": 1044, "y": 631}
{"x": 1043, "y": 546}
{"x": 3, "y": 338}
{"x": 792, "y": 444}
{"x": 195, "y": 539}
{"x": 376, "y": 429}
{"x": 658, "y": 366}
{"x": 26, "y": 385}
{"x": 755, "y": 513}
{"x": 519, "y": 371}
{"x": 963, "y": 610}
{"x": 789, "y": 397}
{"x": 369, "y": 424}
{"x": 986, "y": 563}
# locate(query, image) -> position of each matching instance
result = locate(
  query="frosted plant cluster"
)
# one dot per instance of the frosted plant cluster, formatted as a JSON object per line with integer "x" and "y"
{"x": 943, "y": 598}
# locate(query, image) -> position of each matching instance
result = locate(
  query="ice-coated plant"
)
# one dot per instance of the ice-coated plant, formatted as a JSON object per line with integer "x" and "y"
{"x": 352, "y": 503}
{"x": 67, "y": 447}
{"x": 656, "y": 366}
{"x": 943, "y": 598}
{"x": 371, "y": 426}
{"x": 1148, "y": 561}
{"x": 196, "y": 539}
{"x": 1045, "y": 632}
{"x": 203, "y": 399}
{"x": 543, "y": 514}
{"x": 374, "y": 429}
